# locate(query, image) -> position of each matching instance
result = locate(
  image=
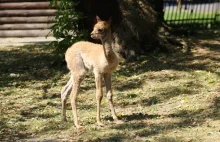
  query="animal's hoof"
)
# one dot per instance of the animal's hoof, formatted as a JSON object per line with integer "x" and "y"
{"x": 100, "y": 124}
{"x": 64, "y": 119}
{"x": 119, "y": 121}
{"x": 79, "y": 127}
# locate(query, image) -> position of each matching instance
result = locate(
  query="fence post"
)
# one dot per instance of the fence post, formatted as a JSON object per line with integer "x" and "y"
{"x": 179, "y": 5}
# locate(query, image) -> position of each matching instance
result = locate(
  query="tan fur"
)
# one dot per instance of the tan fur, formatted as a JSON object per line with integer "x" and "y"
{"x": 101, "y": 59}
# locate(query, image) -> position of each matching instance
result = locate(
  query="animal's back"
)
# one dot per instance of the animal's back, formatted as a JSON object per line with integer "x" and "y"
{"x": 85, "y": 53}
{"x": 82, "y": 46}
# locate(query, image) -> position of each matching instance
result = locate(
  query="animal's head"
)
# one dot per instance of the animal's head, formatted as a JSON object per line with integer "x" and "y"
{"x": 101, "y": 29}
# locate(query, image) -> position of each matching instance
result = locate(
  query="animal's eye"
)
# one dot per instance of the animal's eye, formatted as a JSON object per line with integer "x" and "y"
{"x": 100, "y": 30}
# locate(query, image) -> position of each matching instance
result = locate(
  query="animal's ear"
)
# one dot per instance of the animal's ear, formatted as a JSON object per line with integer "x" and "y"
{"x": 98, "y": 19}
{"x": 109, "y": 21}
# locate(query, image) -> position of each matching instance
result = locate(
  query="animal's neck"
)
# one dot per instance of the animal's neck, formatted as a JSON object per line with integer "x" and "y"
{"x": 107, "y": 45}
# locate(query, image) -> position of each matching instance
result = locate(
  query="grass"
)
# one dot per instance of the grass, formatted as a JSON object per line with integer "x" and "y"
{"x": 162, "y": 98}
{"x": 186, "y": 17}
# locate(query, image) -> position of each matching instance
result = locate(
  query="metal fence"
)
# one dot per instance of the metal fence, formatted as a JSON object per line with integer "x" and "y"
{"x": 195, "y": 13}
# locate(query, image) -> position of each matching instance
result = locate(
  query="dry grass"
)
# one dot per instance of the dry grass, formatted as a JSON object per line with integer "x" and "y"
{"x": 162, "y": 98}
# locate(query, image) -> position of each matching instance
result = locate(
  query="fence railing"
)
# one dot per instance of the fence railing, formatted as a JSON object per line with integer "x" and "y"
{"x": 196, "y": 13}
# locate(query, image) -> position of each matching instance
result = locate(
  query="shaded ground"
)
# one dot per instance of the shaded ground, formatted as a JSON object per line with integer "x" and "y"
{"x": 163, "y": 98}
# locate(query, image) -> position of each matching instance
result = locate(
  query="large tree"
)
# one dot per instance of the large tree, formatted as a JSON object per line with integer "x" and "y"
{"x": 136, "y": 23}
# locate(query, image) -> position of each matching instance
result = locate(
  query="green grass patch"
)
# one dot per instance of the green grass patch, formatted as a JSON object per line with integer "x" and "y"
{"x": 188, "y": 17}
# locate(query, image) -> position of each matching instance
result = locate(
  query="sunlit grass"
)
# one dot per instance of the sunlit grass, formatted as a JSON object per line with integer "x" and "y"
{"x": 160, "y": 97}
{"x": 189, "y": 17}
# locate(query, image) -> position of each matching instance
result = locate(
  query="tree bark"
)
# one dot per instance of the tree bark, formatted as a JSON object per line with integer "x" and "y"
{"x": 158, "y": 6}
{"x": 135, "y": 23}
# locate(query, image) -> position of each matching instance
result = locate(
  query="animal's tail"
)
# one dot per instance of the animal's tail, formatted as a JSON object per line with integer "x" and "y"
{"x": 67, "y": 88}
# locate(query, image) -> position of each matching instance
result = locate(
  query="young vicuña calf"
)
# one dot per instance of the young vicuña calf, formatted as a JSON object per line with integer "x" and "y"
{"x": 101, "y": 59}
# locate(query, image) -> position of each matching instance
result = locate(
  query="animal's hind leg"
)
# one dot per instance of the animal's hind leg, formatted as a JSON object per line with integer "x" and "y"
{"x": 64, "y": 94}
{"x": 64, "y": 109}
{"x": 76, "y": 84}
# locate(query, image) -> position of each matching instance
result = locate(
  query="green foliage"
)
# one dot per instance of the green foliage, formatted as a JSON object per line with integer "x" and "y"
{"x": 66, "y": 29}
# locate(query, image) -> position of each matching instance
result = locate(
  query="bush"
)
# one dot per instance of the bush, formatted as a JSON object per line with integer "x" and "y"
{"x": 66, "y": 28}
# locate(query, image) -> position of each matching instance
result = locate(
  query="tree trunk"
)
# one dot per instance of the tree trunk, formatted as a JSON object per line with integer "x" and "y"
{"x": 158, "y": 7}
{"x": 135, "y": 23}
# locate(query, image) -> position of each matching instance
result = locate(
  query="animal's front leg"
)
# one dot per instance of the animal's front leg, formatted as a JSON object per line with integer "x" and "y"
{"x": 107, "y": 78}
{"x": 99, "y": 96}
